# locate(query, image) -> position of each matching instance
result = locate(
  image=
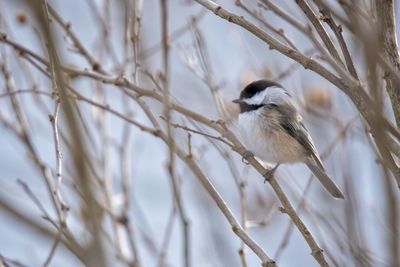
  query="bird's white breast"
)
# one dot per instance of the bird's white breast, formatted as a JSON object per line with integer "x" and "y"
{"x": 265, "y": 138}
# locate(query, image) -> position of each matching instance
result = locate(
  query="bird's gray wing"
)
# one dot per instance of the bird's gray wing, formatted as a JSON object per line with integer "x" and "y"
{"x": 292, "y": 123}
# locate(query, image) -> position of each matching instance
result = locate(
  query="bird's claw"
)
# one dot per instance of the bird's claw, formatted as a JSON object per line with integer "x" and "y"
{"x": 268, "y": 175}
{"x": 246, "y": 155}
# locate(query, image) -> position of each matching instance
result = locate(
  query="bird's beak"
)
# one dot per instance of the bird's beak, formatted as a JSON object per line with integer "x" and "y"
{"x": 238, "y": 101}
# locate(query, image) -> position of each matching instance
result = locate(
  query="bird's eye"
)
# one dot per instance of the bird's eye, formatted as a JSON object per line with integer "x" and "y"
{"x": 272, "y": 106}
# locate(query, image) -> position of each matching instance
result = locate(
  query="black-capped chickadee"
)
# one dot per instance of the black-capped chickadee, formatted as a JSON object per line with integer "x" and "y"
{"x": 273, "y": 130}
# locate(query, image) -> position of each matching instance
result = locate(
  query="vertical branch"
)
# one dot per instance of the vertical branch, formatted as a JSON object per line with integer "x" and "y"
{"x": 78, "y": 152}
{"x": 166, "y": 79}
{"x": 133, "y": 27}
{"x": 165, "y": 46}
{"x": 57, "y": 190}
{"x": 387, "y": 30}
{"x": 135, "y": 36}
{"x": 167, "y": 237}
{"x": 167, "y": 115}
{"x": 381, "y": 136}
{"x": 57, "y": 146}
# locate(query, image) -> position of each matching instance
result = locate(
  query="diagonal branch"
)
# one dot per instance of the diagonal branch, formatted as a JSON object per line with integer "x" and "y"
{"x": 337, "y": 30}
{"x": 320, "y": 29}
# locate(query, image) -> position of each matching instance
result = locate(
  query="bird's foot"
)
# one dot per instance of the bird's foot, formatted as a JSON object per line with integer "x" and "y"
{"x": 246, "y": 155}
{"x": 270, "y": 173}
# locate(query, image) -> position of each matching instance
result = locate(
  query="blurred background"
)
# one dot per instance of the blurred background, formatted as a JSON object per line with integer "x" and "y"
{"x": 209, "y": 61}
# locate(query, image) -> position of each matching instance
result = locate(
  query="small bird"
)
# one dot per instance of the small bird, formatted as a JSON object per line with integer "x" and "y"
{"x": 273, "y": 130}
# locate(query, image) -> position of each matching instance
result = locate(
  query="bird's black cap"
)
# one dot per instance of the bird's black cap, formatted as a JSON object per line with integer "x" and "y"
{"x": 255, "y": 87}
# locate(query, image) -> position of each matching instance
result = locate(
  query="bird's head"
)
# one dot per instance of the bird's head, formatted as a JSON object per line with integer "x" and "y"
{"x": 260, "y": 93}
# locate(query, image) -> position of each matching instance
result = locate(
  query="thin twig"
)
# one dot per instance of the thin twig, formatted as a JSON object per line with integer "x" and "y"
{"x": 256, "y": 15}
{"x": 337, "y": 30}
{"x": 67, "y": 28}
{"x": 320, "y": 29}
{"x": 185, "y": 128}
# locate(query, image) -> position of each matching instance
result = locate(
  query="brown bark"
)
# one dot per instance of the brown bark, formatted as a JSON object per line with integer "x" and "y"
{"x": 387, "y": 32}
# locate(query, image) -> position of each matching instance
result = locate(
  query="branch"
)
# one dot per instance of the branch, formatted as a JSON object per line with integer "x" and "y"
{"x": 337, "y": 30}
{"x": 320, "y": 29}
{"x": 67, "y": 28}
{"x": 387, "y": 32}
{"x": 256, "y": 15}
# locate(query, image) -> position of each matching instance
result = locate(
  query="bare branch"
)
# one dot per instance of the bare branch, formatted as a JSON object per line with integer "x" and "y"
{"x": 387, "y": 32}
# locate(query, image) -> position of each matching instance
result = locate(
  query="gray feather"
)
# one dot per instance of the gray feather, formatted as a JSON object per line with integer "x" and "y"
{"x": 292, "y": 122}
{"x": 327, "y": 182}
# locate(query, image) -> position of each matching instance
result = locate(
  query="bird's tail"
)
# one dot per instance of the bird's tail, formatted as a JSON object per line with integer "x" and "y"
{"x": 327, "y": 182}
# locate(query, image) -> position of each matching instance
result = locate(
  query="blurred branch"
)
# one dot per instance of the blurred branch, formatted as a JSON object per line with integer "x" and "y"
{"x": 269, "y": 5}
{"x": 320, "y": 29}
{"x": 67, "y": 28}
{"x": 279, "y": 32}
{"x": 173, "y": 36}
{"x": 337, "y": 30}
{"x": 25, "y": 91}
{"x": 387, "y": 31}
{"x": 165, "y": 241}
{"x": 133, "y": 25}
{"x": 167, "y": 112}
{"x": 58, "y": 83}
{"x": 38, "y": 227}
{"x": 185, "y": 128}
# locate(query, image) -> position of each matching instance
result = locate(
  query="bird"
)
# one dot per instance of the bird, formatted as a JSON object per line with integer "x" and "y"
{"x": 272, "y": 129}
